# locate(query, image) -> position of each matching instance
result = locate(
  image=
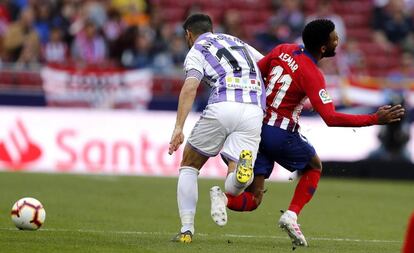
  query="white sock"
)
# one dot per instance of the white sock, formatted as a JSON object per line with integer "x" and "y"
{"x": 292, "y": 214}
{"x": 234, "y": 187}
{"x": 187, "y": 196}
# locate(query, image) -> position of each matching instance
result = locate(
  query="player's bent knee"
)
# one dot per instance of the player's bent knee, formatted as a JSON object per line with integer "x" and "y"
{"x": 315, "y": 163}
{"x": 193, "y": 159}
{"x": 190, "y": 164}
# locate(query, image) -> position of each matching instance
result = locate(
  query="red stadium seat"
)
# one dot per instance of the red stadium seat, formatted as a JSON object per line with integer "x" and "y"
{"x": 353, "y": 7}
{"x": 356, "y": 20}
{"x": 6, "y": 78}
{"x": 28, "y": 78}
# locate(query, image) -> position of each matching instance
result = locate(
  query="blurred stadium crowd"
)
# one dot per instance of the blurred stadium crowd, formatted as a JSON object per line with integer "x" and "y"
{"x": 59, "y": 52}
{"x": 376, "y": 36}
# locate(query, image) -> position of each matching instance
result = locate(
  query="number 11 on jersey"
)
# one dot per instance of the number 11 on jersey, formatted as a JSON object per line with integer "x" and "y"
{"x": 284, "y": 82}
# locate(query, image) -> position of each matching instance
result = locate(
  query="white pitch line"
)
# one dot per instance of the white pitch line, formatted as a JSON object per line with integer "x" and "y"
{"x": 207, "y": 235}
{"x": 316, "y": 238}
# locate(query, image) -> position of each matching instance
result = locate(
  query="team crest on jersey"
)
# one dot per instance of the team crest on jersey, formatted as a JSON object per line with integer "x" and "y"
{"x": 323, "y": 94}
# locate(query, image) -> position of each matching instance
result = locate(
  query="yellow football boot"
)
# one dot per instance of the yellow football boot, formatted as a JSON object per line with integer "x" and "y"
{"x": 185, "y": 237}
{"x": 244, "y": 170}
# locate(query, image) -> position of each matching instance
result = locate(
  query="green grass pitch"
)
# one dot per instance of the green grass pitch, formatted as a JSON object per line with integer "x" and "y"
{"x": 139, "y": 214}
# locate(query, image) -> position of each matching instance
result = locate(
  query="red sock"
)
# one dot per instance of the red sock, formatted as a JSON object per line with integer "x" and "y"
{"x": 305, "y": 189}
{"x": 409, "y": 237}
{"x": 243, "y": 202}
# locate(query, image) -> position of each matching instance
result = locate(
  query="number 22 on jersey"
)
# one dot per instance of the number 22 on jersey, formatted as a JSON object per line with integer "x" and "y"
{"x": 283, "y": 82}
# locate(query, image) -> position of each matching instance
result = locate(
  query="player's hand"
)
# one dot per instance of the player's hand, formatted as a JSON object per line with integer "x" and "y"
{"x": 177, "y": 139}
{"x": 389, "y": 114}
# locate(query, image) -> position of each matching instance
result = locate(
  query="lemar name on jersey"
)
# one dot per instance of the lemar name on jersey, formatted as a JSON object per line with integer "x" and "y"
{"x": 290, "y": 61}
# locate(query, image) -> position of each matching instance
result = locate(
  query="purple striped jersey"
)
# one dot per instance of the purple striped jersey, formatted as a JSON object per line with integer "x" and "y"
{"x": 228, "y": 66}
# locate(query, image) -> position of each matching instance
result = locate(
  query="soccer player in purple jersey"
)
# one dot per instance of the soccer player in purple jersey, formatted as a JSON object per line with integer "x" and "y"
{"x": 229, "y": 125}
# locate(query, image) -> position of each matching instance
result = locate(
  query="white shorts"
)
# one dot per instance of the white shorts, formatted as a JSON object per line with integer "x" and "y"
{"x": 229, "y": 127}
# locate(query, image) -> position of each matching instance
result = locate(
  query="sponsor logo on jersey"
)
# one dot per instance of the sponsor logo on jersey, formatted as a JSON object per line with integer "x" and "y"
{"x": 323, "y": 94}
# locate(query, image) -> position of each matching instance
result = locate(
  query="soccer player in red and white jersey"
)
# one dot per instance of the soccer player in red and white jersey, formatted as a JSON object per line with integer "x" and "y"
{"x": 292, "y": 76}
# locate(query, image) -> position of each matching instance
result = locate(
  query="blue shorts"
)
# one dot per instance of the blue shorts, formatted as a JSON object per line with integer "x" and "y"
{"x": 289, "y": 149}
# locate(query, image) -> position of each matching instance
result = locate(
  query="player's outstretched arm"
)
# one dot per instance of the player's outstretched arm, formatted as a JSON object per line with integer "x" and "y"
{"x": 388, "y": 114}
{"x": 323, "y": 104}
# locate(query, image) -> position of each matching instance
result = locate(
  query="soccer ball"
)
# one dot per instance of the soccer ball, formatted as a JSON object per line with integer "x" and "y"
{"x": 28, "y": 214}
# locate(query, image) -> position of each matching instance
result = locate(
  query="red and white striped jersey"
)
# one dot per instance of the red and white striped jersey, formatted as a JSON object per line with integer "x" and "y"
{"x": 292, "y": 76}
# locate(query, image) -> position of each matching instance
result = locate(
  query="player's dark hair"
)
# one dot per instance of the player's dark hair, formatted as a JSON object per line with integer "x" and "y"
{"x": 316, "y": 34}
{"x": 198, "y": 24}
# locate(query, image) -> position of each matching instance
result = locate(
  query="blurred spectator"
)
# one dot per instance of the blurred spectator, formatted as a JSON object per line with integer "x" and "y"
{"x": 4, "y": 23}
{"x": 90, "y": 11}
{"x": 132, "y": 11}
{"x": 43, "y": 21}
{"x": 21, "y": 41}
{"x": 325, "y": 10}
{"x": 232, "y": 24}
{"x": 112, "y": 30}
{"x": 96, "y": 12}
{"x": 393, "y": 137}
{"x": 141, "y": 54}
{"x": 178, "y": 49}
{"x": 291, "y": 16}
{"x": 4, "y": 18}
{"x": 89, "y": 46}
{"x": 392, "y": 25}
{"x": 16, "y": 7}
{"x": 402, "y": 76}
{"x": 162, "y": 31}
{"x": 275, "y": 34}
{"x": 352, "y": 60}
{"x": 114, "y": 25}
{"x": 171, "y": 60}
{"x": 55, "y": 50}
{"x": 64, "y": 15}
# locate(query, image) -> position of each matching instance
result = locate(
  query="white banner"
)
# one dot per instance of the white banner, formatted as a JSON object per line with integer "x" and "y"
{"x": 134, "y": 142}
{"x": 98, "y": 88}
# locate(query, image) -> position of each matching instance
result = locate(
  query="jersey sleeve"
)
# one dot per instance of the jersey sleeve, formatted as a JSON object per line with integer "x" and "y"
{"x": 193, "y": 64}
{"x": 257, "y": 56}
{"x": 315, "y": 89}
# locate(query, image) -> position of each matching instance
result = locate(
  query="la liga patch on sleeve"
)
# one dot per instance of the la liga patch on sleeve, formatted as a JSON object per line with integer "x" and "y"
{"x": 323, "y": 94}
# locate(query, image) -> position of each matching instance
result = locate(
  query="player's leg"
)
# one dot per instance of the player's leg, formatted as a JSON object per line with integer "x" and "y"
{"x": 187, "y": 192}
{"x": 409, "y": 237}
{"x": 307, "y": 185}
{"x": 205, "y": 141}
{"x": 240, "y": 173}
{"x": 299, "y": 155}
{"x": 250, "y": 199}
{"x": 304, "y": 191}
{"x": 239, "y": 150}
{"x": 293, "y": 152}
